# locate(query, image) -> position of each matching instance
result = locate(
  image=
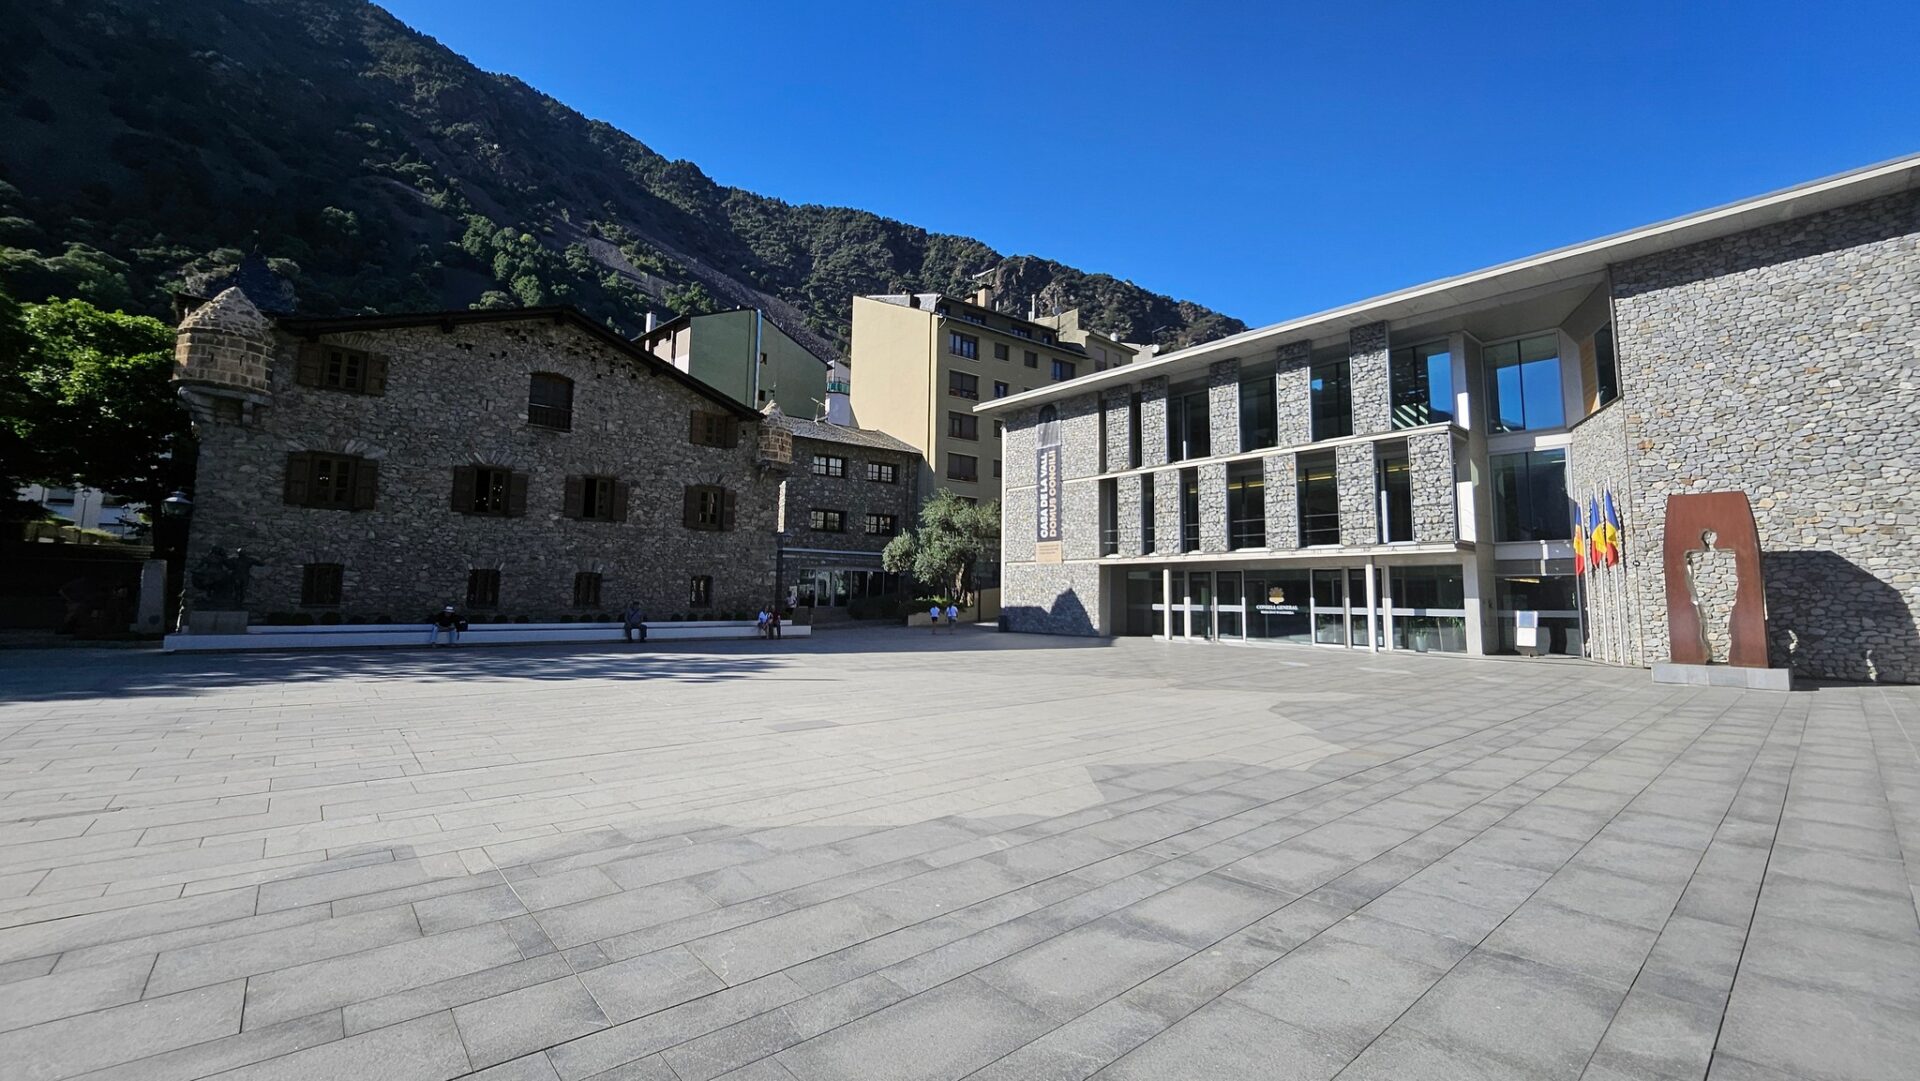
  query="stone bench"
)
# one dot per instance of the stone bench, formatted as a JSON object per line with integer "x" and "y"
{"x": 363, "y": 635}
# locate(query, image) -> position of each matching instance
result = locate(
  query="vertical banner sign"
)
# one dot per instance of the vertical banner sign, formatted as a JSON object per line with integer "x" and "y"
{"x": 1046, "y": 503}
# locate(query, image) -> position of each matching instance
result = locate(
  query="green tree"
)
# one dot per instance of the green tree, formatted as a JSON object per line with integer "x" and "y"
{"x": 87, "y": 399}
{"x": 954, "y": 534}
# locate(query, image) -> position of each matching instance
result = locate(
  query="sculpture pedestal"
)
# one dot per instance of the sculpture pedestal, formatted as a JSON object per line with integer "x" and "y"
{"x": 1724, "y": 675}
{"x": 199, "y": 622}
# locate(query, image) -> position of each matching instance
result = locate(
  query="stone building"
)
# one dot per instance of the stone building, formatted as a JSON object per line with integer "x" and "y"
{"x": 513, "y": 463}
{"x": 1403, "y": 472}
{"x": 851, "y": 491}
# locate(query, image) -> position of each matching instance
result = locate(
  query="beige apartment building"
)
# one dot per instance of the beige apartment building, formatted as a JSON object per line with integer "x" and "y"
{"x": 922, "y": 361}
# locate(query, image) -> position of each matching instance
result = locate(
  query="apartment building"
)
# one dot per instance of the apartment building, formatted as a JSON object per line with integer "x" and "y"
{"x": 922, "y": 361}
{"x": 1403, "y": 472}
{"x": 744, "y": 354}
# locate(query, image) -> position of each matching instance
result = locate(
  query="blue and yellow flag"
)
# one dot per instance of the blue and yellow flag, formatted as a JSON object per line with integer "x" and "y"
{"x": 1613, "y": 531}
{"x": 1593, "y": 532}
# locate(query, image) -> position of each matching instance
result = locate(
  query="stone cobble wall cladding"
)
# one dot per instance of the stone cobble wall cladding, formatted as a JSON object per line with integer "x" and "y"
{"x": 458, "y": 398}
{"x": 1213, "y": 507}
{"x": 1080, "y": 520}
{"x": 1051, "y": 598}
{"x": 1430, "y": 454}
{"x": 1368, "y": 378}
{"x": 1293, "y": 389}
{"x": 1166, "y": 510}
{"x": 852, "y": 494}
{"x": 1153, "y": 421}
{"x": 1785, "y": 362}
{"x": 1117, "y": 401}
{"x": 1079, "y": 436}
{"x": 1597, "y": 460}
{"x": 1017, "y": 442}
{"x": 1283, "y": 512}
{"x": 1129, "y": 492}
{"x": 1353, "y": 475}
{"x": 1017, "y": 525}
{"x": 1223, "y": 407}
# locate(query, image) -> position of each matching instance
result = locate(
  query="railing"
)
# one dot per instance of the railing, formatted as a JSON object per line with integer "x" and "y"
{"x": 1322, "y": 528}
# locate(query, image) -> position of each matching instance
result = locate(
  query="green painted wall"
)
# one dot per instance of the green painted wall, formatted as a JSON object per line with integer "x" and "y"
{"x": 722, "y": 356}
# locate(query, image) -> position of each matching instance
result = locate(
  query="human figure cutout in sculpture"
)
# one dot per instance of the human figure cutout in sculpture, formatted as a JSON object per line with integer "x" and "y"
{"x": 1713, "y": 582}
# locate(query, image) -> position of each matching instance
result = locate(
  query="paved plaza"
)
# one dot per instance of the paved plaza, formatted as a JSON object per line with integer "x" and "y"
{"x": 885, "y": 854}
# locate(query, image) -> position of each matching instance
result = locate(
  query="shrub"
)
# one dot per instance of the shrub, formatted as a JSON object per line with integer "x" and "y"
{"x": 329, "y": 619}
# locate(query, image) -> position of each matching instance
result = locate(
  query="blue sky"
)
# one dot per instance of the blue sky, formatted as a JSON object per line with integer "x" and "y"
{"x": 1266, "y": 160}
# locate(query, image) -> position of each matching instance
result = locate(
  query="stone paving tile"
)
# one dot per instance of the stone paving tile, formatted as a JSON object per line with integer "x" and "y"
{"x": 1133, "y": 860}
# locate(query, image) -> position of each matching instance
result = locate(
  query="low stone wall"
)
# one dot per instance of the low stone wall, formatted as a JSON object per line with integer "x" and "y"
{"x": 387, "y": 635}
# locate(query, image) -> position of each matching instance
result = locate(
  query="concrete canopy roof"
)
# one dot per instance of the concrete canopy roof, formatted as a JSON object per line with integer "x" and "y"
{"x": 1589, "y": 259}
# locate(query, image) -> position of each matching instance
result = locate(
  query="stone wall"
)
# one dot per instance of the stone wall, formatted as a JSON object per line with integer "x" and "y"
{"x": 1430, "y": 456}
{"x": 1166, "y": 510}
{"x": 1118, "y": 403}
{"x": 459, "y": 397}
{"x": 852, "y": 494}
{"x": 1598, "y": 461}
{"x": 1223, "y": 407}
{"x": 1368, "y": 378}
{"x": 1017, "y": 525}
{"x": 1293, "y": 391}
{"x": 1130, "y": 514}
{"x": 1213, "y": 507}
{"x": 1283, "y": 502}
{"x": 1359, "y": 512}
{"x": 1785, "y": 362}
{"x": 1052, "y": 598}
{"x": 1153, "y": 421}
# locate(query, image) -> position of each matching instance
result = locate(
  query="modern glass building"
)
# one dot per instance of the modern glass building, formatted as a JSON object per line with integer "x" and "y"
{"x": 1402, "y": 473}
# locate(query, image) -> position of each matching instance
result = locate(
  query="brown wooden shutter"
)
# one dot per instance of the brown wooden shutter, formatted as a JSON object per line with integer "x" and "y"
{"x": 299, "y": 473}
{"x": 619, "y": 501}
{"x": 366, "y": 483}
{"x": 696, "y": 432}
{"x": 729, "y": 432}
{"x": 308, "y": 365}
{"x": 690, "y": 507}
{"x": 463, "y": 486}
{"x": 726, "y": 508}
{"x": 516, "y": 494}
{"x": 375, "y": 381}
{"x": 573, "y": 502}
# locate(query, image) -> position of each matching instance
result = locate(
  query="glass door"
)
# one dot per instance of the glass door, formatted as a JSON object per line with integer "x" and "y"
{"x": 1200, "y": 611}
{"x": 1229, "y": 617}
{"x": 1357, "y": 609}
{"x": 1177, "y": 604}
{"x": 1330, "y": 608}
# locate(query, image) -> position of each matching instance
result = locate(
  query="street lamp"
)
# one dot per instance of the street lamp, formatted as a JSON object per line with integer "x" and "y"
{"x": 780, "y": 571}
{"x": 170, "y": 540}
{"x": 176, "y": 507}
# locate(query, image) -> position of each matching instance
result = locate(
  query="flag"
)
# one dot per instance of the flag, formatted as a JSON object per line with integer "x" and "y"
{"x": 1593, "y": 532}
{"x": 1579, "y": 543}
{"x": 1613, "y": 531}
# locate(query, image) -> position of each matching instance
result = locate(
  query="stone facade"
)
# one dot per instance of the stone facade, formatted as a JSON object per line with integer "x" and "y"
{"x": 1368, "y": 378}
{"x": 1213, "y": 507}
{"x": 852, "y": 493}
{"x": 1597, "y": 460}
{"x": 1785, "y": 362}
{"x": 1129, "y": 513}
{"x": 455, "y": 393}
{"x": 1359, "y": 511}
{"x": 1293, "y": 389}
{"x": 1153, "y": 422}
{"x": 1430, "y": 455}
{"x": 1118, "y": 403}
{"x": 1283, "y": 510}
{"x": 1051, "y": 598}
{"x": 1166, "y": 510}
{"x": 1223, "y": 407}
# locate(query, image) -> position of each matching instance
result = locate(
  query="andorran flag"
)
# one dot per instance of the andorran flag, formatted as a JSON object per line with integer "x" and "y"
{"x": 1612, "y": 528}
{"x": 1593, "y": 532}
{"x": 1579, "y": 541}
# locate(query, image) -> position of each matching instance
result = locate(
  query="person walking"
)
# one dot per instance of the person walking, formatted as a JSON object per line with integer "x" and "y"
{"x": 933, "y": 613}
{"x": 632, "y": 620}
{"x": 953, "y": 618}
{"x": 448, "y": 620}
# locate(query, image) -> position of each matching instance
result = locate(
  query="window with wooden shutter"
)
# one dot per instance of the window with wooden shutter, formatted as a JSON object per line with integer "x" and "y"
{"x": 335, "y": 367}
{"x": 465, "y": 484}
{"x": 483, "y": 588}
{"x": 573, "y": 500}
{"x": 550, "y": 401}
{"x": 489, "y": 490}
{"x": 299, "y": 470}
{"x": 366, "y": 484}
{"x": 516, "y": 495}
{"x": 306, "y": 366}
{"x": 708, "y": 507}
{"x": 595, "y": 499}
{"x": 708, "y": 429}
{"x": 618, "y": 510}
{"x": 726, "y": 508}
{"x": 330, "y": 481}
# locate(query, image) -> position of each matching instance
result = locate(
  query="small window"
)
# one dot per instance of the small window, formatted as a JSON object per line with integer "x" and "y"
{"x": 963, "y": 345}
{"x": 700, "y": 591}
{"x": 827, "y": 521}
{"x": 883, "y": 472}
{"x": 882, "y": 525}
{"x": 586, "y": 589}
{"x": 596, "y": 499}
{"x": 996, "y": 467}
{"x": 333, "y": 367}
{"x": 550, "y": 401}
{"x": 1032, "y": 358}
{"x": 1605, "y": 368}
{"x": 963, "y": 467}
{"x": 707, "y": 429}
{"x": 483, "y": 588}
{"x": 963, "y": 426}
{"x": 489, "y": 490}
{"x": 962, "y": 385}
{"x": 331, "y": 481}
{"x": 708, "y": 507}
{"x": 1063, "y": 369}
{"x": 320, "y": 584}
{"x": 829, "y": 465}
{"x": 999, "y": 428}
{"x": 1000, "y": 351}
{"x": 999, "y": 389}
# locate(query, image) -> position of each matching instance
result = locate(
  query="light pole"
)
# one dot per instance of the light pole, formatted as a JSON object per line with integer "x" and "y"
{"x": 780, "y": 572}
{"x": 170, "y": 537}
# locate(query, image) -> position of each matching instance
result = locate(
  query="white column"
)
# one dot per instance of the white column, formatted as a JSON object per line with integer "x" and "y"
{"x": 1166, "y": 592}
{"x": 1477, "y": 629}
{"x": 1386, "y": 607}
{"x": 1373, "y": 608}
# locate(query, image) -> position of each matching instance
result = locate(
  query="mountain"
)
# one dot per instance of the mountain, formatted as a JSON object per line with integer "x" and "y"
{"x": 145, "y": 147}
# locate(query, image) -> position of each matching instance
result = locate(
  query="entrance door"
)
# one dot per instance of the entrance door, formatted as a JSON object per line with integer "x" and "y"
{"x": 1200, "y": 611}
{"x": 1357, "y": 609}
{"x": 1330, "y": 608}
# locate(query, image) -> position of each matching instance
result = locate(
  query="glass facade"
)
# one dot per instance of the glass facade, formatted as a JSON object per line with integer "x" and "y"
{"x": 1277, "y": 606}
{"x": 1530, "y": 496}
{"x": 1393, "y": 487}
{"x": 1554, "y": 597}
{"x": 1187, "y": 431}
{"x": 1420, "y": 381}
{"x": 1246, "y": 505}
{"x": 1319, "y": 500}
{"x": 1189, "y": 510}
{"x": 1147, "y": 540}
{"x": 1259, "y": 425}
{"x": 1523, "y": 383}
{"x": 1332, "y": 401}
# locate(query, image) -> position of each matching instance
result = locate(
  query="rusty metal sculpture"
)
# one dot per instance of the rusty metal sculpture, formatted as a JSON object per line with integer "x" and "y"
{"x": 1704, "y": 522}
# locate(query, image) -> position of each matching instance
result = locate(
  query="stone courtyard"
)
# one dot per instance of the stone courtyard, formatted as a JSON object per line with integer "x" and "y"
{"x": 889, "y": 854}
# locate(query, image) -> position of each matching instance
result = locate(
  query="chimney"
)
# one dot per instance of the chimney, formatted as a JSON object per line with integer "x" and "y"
{"x": 913, "y": 300}
{"x": 983, "y": 297}
{"x": 652, "y": 321}
{"x": 839, "y": 406}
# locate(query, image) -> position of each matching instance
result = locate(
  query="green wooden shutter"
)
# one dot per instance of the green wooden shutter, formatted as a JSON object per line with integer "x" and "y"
{"x": 726, "y": 508}
{"x": 366, "y": 483}
{"x": 516, "y": 495}
{"x": 620, "y": 491}
{"x": 463, "y": 485}
{"x": 307, "y": 364}
{"x": 299, "y": 475}
{"x": 375, "y": 381}
{"x": 690, "y": 507}
{"x": 573, "y": 499}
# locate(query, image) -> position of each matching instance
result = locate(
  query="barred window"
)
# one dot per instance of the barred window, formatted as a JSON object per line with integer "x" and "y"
{"x": 320, "y": 584}
{"x": 550, "y": 401}
{"x": 483, "y": 588}
{"x": 586, "y": 589}
{"x": 700, "y": 591}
